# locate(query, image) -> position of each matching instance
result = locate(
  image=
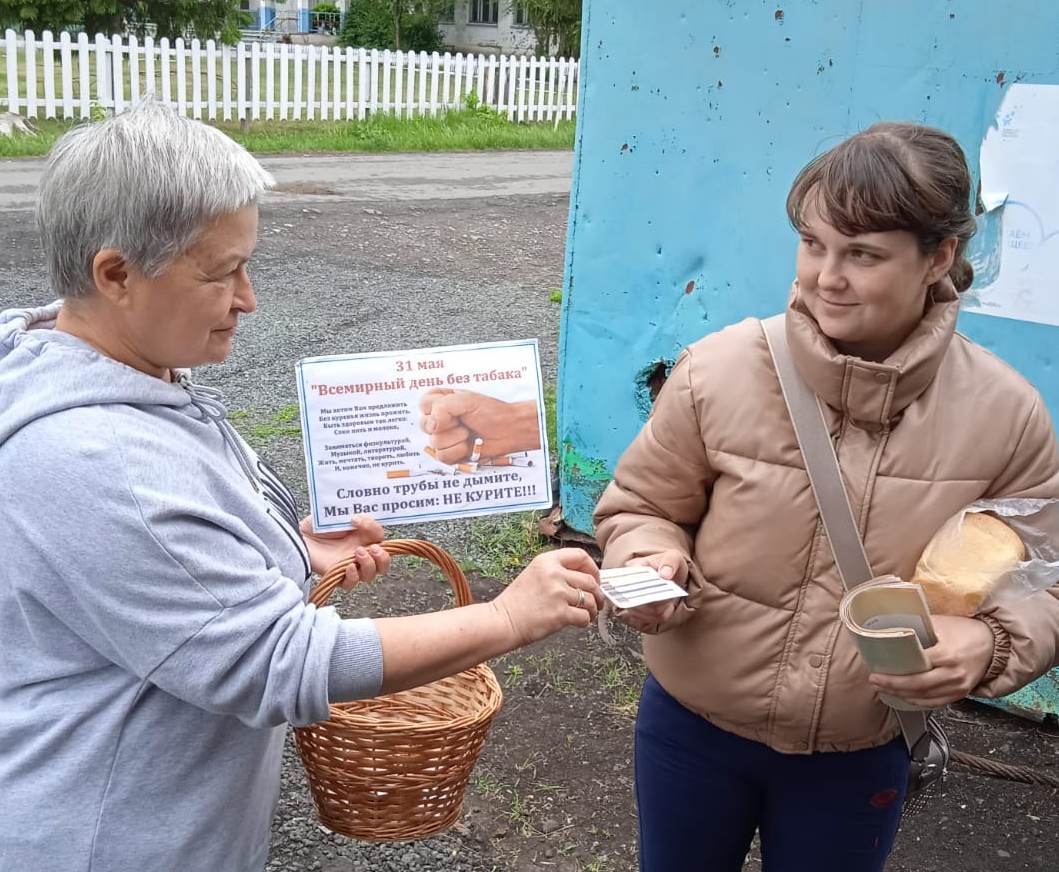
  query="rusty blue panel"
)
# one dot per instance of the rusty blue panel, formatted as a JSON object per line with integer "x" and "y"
{"x": 694, "y": 118}
{"x": 1035, "y": 701}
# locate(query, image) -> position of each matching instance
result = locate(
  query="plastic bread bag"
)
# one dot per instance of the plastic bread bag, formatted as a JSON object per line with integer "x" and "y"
{"x": 990, "y": 553}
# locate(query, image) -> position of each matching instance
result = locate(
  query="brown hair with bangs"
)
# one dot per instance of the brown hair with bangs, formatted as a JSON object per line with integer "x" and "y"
{"x": 893, "y": 176}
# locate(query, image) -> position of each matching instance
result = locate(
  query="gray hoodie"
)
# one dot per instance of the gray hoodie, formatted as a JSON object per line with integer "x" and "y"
{"x": 154, "y": 634}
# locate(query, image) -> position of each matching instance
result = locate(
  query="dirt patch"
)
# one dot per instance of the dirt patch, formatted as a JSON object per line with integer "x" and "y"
{"x": 538, "y": 799}
{"x": 980, "y": 824}
{"x": 553, "y": 788}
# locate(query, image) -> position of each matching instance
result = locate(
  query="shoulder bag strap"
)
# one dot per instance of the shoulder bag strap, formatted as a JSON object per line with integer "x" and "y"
{"x": 825, "y": 478}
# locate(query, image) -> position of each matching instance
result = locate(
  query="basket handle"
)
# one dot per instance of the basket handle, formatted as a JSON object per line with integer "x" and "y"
{"x": 409, "y": 547}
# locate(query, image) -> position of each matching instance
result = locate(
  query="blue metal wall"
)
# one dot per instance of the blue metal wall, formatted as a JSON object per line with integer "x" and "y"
{"x": 695, "y": 116}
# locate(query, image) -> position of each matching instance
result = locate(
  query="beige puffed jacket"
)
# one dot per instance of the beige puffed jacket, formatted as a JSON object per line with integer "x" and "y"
{"x": 716, "y": 473}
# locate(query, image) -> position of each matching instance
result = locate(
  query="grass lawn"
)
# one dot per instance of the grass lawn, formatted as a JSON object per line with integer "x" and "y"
{"x": 467, "y": 130}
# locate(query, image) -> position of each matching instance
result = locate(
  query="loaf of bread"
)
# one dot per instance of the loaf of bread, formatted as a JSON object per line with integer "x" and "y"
{"x": 964, "y": 561}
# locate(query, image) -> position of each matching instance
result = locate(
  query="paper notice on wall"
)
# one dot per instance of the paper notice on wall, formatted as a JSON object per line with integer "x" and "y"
{"x": 424, "y": 434}
{"x": 1020, "y": 177}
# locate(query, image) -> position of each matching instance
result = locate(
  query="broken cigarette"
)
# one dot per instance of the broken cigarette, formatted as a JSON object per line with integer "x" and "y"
{"x": 414, "y": 472}
{"x": 476, "y": 452}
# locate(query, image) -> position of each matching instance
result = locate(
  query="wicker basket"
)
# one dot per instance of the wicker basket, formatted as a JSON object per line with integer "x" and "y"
{"x": 395, "y": 767}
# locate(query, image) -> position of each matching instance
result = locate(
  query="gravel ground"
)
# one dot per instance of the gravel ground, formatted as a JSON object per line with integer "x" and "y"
{"x": 336, "y": 278}
{"x": 335, "y": 275}
{"x": 340, "y": 276}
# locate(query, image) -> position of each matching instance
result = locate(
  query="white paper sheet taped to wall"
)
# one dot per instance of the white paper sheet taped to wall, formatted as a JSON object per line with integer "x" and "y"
{"x": 1020, "y": 177}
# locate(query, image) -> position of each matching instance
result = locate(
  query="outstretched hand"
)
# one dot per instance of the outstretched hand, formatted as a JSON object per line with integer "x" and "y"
{"x": 558, "y": 589}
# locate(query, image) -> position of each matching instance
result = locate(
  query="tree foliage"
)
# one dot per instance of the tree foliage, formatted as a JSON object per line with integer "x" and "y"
{"x": 206, "y": 19}
{"x": 396, "y": 24}
{"x": 368, "y": 24}
{"x": 419, "y": 32}
{"x": 556, "y": 25}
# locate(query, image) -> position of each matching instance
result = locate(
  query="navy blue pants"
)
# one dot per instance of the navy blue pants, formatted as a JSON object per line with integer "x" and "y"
{"x": 703, "y": 792}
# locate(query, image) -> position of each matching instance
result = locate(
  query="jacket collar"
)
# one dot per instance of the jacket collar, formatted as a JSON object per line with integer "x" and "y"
{"x": 873, "y": 394}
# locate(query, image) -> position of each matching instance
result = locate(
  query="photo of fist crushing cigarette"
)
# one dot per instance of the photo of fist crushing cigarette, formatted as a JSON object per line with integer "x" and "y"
{"x": 468, "y": 426}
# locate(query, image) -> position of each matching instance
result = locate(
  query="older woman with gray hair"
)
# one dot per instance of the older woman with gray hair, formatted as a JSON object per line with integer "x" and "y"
{"x": 154, "y": 633}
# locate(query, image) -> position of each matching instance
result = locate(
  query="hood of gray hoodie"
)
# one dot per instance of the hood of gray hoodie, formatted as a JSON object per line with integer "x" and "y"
{"x": 33, "y": 354}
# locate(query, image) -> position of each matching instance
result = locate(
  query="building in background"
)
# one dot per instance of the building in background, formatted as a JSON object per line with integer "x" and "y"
{"x": 474, "y": 26}
{"x": 487, "y": 27}
{"x": 271, "y": 17}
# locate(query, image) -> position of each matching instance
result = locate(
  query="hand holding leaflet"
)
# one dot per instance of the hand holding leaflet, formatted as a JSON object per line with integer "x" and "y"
{"x": 631, "y": 586}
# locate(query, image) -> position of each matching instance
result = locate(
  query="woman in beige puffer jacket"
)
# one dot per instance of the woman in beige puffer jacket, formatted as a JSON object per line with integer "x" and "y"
{"x": 758, "y": 713}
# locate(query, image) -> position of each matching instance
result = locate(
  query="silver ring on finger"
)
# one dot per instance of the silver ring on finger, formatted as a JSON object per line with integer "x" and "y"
{"x": 580, "y": 598}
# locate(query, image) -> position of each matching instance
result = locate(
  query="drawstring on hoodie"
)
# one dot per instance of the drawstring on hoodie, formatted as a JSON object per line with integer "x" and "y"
{"x": 209, "y": 402}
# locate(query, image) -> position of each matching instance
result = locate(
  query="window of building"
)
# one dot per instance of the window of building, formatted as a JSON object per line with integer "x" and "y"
{"x": 485, "y": 11}
{"x": 521, "y": 15}
{"x": 448, "y": 13}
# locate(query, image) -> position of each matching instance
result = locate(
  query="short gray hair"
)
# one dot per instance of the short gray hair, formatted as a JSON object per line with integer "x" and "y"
{"x": 146, "y": 182}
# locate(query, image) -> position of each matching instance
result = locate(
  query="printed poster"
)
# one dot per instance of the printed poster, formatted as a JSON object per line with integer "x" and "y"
{"x": 424, "y": 434}
{"x": 1020, "y": 177}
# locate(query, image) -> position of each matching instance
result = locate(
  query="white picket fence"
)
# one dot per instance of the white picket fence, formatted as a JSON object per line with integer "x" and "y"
{"x": 67, "y": 77}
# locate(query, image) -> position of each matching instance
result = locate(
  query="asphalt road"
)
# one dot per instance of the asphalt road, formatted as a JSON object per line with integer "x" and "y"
{"x": 370, "y": 177}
